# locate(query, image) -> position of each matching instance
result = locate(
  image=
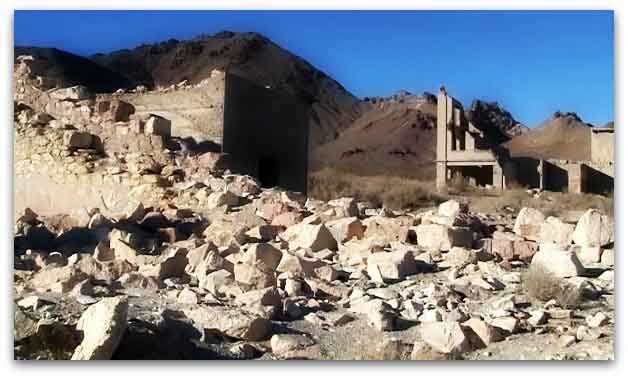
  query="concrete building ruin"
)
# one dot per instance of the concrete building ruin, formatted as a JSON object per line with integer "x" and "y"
{"x": 463, "y": 153}
{"x": 264, "y": 132}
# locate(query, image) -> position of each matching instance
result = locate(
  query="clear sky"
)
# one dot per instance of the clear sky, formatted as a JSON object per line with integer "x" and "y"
{"x": 533, "y": 63}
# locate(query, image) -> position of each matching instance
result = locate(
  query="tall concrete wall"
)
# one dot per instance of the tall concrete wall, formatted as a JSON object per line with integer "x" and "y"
{"x": 602, "y": 145}
{"x": 195, "y": 112}
{"x": 266, "y": 134}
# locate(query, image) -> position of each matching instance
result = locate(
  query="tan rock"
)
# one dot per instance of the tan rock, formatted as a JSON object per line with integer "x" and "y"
{"x": 436, "y": 237}
{"x": 103, "y": 325}
{"x": 314, "y": 237}
{"x": 484, "y": 333}
{"x": 445, "y": 337}
{"x": 345, "y": 229}
{"x": 593, "y": 229}
{"x": 231, "y": 322}
{"x": 391, "y": 265}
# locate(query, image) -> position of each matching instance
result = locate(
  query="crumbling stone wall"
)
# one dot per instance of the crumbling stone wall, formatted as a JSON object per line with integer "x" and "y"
{"x": 51, "y": 177}
{"x": 194, "y": 111}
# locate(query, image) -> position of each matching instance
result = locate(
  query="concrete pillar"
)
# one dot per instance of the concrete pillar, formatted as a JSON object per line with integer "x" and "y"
{"x": 498, "y": 177}
{"x": 575, "y": 177}
{"x": 541, "y": 168}
{"x": 441, "y": 175}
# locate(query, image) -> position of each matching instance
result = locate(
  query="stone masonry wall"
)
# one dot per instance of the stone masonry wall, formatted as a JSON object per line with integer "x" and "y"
{"x": 195, "y": 111}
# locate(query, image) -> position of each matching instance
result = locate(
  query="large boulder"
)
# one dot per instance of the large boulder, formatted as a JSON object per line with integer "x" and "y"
{"x": 452, "y": 209}
{"x": 436, "y": 237}
{"x": 103, "y": 326}
{"x": 387, "y": 229}
{"x": 390, "y": 266}
{"x": 445, "y": 337}
{"x": 528, "y": 223}
{"x": 345, "y": 229}
{"x": 553, "y": 230}
{"x": 231, "y": 322}
{"x": 594, "y": 229}
{"x": 484, "y": 333}
{"x": 313, "y": 236}
{"x": 560, "y": 263}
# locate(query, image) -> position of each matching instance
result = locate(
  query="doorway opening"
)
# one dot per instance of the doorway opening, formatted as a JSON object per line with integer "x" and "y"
{"x": 268, "y": 171}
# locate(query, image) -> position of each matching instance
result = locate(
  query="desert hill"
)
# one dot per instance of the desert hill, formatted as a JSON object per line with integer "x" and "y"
{"x": 562, "y": 136}
{"x": 394, "y": 134}
{"x": 68, "y": 69}
{"x": 249, "y": 55}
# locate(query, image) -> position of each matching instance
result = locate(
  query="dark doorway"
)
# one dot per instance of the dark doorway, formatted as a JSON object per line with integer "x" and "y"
{"x": 268, "y": 172}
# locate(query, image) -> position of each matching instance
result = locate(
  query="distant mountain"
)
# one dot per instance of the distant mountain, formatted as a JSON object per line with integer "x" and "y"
{"x": 562, "y": 136}
{"x": 497, "y": 124}
{"x": 69, "y": 69}
{"x": 249, "y": 55}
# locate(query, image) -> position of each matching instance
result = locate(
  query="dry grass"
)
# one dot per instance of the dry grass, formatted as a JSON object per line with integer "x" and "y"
{"x": 390, "y": 191}
{"x": 542, "y": 285}
{"x": 550, "y": 203}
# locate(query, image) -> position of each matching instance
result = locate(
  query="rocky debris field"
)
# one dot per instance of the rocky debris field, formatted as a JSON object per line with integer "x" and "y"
{"x": 179, "y": 258}
{"x": 273, "y": 275}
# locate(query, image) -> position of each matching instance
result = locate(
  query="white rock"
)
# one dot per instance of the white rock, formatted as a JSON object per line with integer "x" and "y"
{"x": 593, "y": 229}
{"x": 597, "y": 320}
{"x": 553, "y": 230}
{"x": 528, "y": 223}
{"x": 452, "y": 208}
{"x": 103, "y": 325}
{"x": 281, "y": 344}
{"x": 560, "y": 263}
{"x": 589, "y": 255}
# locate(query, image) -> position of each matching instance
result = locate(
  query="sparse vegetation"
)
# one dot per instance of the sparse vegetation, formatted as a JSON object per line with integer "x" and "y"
{"x": 544, "y": 286}
{"x": 550, "y": 203}
{"x": 390, "y": 191}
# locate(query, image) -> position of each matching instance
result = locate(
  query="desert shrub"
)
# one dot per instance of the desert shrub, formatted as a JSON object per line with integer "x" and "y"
{"x": 544, "y": 286}
{"x": 390, "y": 191}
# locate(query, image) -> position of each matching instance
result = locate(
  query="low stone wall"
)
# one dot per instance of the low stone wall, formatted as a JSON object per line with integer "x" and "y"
{"x": 51, "y": 178}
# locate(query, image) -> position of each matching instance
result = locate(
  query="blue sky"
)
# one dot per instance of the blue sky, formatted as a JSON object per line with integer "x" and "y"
{"x": 533, "y": 63}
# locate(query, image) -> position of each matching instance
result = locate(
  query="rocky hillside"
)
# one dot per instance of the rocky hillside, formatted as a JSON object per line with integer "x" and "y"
{"x": 562, "y": 136}
{"x": 396, "y": 134}
{"x": 249, "y": 55}
{"x": 496, "y": 122}
{"x": 64, "y": 69}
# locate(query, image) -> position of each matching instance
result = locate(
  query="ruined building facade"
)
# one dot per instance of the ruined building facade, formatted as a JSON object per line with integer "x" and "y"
{"x": 462, "y": 152}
